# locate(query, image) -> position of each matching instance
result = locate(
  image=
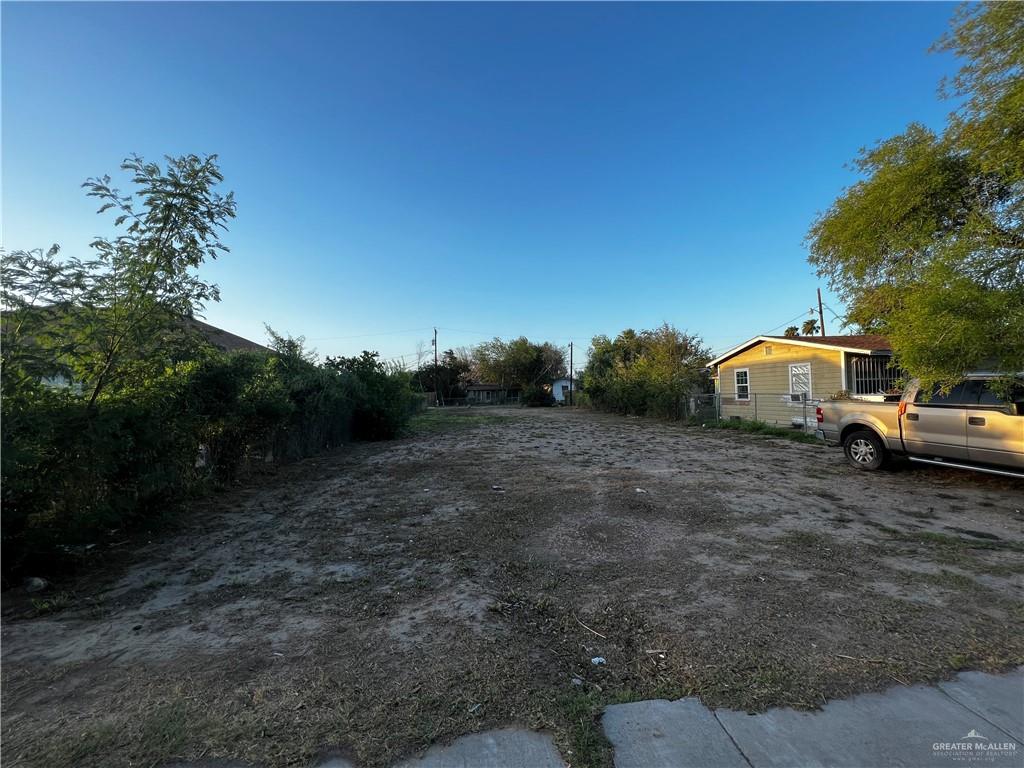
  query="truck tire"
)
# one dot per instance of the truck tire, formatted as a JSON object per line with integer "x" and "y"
{"x": 865, "y": 450}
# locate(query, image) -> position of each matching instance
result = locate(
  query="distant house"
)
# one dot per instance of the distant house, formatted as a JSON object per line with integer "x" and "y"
{"x": 560, "y": 389}
{"x": 492, "y": 394}
{"x": 769, "y": 378}
{"x": 226, "y": 341}
{"x": 223, "y": 340}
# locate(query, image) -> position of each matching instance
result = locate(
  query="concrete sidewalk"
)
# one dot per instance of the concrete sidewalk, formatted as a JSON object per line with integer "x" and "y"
{"x": 975, "y": 719}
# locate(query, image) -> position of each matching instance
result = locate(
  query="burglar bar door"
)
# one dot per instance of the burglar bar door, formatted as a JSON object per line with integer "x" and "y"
{"x": 800, "y": 379}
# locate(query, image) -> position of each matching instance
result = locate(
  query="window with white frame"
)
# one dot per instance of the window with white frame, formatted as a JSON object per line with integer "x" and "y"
{"x": 742, "y": 379}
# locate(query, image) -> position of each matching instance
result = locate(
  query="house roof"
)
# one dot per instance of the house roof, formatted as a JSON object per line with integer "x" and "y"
{"x": 865, "y": 343}
{"x": 868, "y": 342}
{"x": 490, "y": 387}
{"x": 218, "y": 337}
{"x": 225, "y": 340}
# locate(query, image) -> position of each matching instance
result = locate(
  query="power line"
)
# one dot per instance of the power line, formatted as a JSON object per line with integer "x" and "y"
{"x": 765, "y": 333}
{"x": 780, "y": 325}
{"x": 500, "y": 335}
{"x": 365, "y": 335}
{"x": 835, "y": 315}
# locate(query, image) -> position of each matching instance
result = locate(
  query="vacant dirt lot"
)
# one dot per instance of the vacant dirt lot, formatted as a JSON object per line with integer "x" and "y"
{"x": 395, "y": 594}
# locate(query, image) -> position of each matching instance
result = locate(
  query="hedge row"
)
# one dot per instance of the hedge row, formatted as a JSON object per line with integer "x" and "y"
{"x": 72, "y": 475}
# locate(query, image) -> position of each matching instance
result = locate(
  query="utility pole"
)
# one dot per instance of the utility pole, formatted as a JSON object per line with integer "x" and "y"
{"x": 437, "y": 393}
{"x": 821, "y": 314}
{"x": 570, "y": 373}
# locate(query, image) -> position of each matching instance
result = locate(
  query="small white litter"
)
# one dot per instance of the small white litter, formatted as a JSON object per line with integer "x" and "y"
{"x": 598, "y": 661}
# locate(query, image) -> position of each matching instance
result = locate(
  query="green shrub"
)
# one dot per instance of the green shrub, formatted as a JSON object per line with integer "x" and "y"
{"x": 582, "y": 399}
{"x": 650, "y": 373}
{"x": 384, "y": 399}
{"x": 536, "y": 396}
{"x": 72, "y": 471}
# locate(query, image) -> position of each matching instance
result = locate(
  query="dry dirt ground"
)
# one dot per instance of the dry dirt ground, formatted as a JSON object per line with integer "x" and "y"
{"x": 392, "y": 595}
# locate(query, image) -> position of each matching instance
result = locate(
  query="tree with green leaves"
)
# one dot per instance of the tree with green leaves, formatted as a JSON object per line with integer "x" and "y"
{"x": 119, "y": 318}
{"x": 928, "y": 247}
{"x": 450, "y": 376}
{"x": 519, "y": 362}
{"x": 809, "y": 327}
{"x": 652, "y": 372}
{"x": 791, "y": 332}
{"x": 384, "y": 399}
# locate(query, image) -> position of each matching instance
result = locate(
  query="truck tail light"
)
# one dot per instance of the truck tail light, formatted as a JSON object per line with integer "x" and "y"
{"x": 819, "y": 415}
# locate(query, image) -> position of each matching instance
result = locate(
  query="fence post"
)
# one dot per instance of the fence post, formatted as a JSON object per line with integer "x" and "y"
{"x": 803, "y": 400}
{"x": 755, "y": 406}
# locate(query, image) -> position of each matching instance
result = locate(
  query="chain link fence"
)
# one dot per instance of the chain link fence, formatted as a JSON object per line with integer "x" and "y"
{"x": 454, "y": 402}
{"x": 780, "y": 409}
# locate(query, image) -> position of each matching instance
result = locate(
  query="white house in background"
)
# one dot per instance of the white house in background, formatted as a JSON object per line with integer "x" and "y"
{"x": 560, "y": 389}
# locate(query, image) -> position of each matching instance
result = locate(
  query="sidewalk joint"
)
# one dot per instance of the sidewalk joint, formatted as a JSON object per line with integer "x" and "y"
{"x": 973, "y": 712}
{"x": 714, "y": 714}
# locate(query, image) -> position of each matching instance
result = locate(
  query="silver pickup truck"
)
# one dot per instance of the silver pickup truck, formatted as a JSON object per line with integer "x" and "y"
{"x": 970, "y": 427}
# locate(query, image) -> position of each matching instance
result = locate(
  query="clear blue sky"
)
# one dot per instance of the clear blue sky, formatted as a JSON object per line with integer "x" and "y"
{"x": 554, "y": 170}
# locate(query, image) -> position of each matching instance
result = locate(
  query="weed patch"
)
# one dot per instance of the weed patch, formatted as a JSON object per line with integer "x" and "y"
{"x": 761, "y": 429}
{"x": 52, "y": 604}
{"x": 439, "y": 420}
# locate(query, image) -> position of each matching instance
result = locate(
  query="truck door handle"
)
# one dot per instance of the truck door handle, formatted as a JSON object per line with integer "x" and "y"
{"x": 976, "y": 421}
{"x": 912, "y": 417}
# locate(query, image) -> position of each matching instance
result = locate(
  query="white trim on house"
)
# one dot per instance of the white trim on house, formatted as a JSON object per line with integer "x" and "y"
{"x": 842, "y": 370}
{"x": 736, "y": 385}
{"x": 795, "y": 342}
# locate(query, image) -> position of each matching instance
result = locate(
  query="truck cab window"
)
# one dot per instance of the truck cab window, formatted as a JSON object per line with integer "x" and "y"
{"x": 953, "y": 397}
{"x": 985, "y": 393}
{"x": 988, "y": 397}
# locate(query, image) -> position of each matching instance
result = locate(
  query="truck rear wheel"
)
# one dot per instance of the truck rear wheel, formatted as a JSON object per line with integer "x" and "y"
{"x": 865, "y": 450}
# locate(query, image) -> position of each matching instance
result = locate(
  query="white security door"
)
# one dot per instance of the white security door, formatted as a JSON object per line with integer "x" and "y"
{"x": 800, "y": 379}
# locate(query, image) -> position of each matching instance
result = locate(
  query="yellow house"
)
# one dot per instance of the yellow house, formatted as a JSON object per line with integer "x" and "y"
{"x": 777, "y": 379}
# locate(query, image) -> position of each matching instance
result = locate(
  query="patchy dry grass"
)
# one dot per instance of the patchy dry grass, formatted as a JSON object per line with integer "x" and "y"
{"x": 395, "y": 595}
{"x": 749, "y": 427}
{"x": 434, "y": 420}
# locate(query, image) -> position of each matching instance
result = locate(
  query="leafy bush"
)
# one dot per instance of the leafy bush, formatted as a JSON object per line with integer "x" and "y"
{"x": 384, "y": 400}
{"x": 651, "y": 373}
{"x": 581, "y": 399}
{"x": 73, "y": 472}
{"x": 535, "y": 396}
{"x": 449, "y": 377}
